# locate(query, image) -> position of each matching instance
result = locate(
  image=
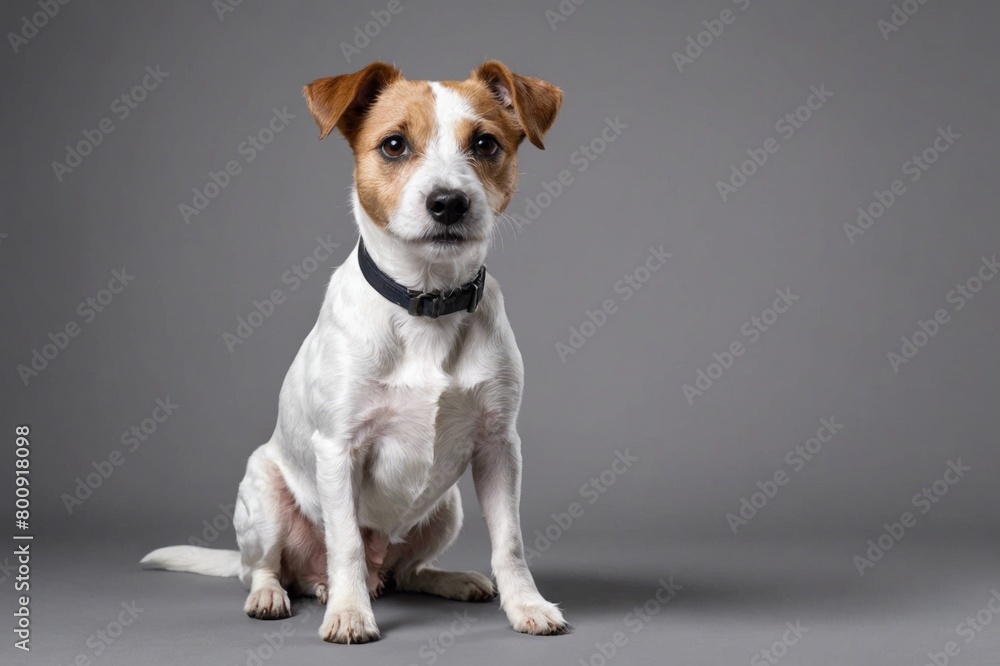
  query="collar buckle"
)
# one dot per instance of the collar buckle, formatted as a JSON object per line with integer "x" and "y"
{"x": 417, "y": 300}
{"x": 478, "y": 286}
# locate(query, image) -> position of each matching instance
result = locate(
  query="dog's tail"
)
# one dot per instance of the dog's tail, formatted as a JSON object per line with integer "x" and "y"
{"x": 205, "y": 561}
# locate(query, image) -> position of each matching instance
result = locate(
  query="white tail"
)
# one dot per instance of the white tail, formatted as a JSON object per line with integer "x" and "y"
{"x": 205, "y": 561}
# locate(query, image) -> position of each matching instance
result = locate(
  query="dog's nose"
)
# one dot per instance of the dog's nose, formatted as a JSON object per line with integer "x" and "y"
{"x": 447, "y": 206}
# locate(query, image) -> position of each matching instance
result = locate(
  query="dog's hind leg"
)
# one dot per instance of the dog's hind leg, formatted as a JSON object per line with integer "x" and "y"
{"x": 261, "y": 533}
{"x": 410, "y": 561}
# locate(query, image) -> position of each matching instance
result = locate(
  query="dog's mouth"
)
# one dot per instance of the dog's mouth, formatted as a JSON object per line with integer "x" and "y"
{"x": 446, "y": 239}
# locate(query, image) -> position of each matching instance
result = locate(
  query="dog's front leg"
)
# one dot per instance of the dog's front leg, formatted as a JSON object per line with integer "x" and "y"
{"x": 349, "y": 617}
{"x": 496, "y": 471}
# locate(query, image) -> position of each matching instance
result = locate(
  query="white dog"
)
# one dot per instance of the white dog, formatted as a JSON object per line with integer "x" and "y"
{"x": 410, "y": 374}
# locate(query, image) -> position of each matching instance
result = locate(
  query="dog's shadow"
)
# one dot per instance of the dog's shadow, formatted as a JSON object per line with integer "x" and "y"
{"x": 769, "y": 593}
{"x": 588, "y": 596}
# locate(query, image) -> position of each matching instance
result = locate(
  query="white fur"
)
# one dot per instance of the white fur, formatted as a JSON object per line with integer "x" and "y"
{"x": 381, "y": 413}
{"x": 204, "y": 561}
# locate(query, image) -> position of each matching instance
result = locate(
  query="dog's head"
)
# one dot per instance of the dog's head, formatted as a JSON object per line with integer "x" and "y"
{"x": 434, "y": 162}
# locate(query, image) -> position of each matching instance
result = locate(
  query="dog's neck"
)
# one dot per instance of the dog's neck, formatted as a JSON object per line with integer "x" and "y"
{"x": 407, "y": 265}
{"x": 397, "y": 261}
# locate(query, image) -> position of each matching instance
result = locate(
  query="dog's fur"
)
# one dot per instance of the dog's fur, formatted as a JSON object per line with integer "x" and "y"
{"x": 382, "y": 412}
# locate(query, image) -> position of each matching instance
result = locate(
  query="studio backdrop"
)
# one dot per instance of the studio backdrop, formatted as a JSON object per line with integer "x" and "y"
{"x": 753, "y": 277}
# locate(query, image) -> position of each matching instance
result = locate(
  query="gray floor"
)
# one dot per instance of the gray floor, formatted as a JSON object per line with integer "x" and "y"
{"x": 734, "y": 601}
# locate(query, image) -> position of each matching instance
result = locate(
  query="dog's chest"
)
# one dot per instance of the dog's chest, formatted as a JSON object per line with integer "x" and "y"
{"x": 419, "y": 429}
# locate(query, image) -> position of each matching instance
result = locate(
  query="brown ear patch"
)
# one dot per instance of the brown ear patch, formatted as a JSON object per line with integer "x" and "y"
{"x": 535, "y": 102}
{"x": 341, "y": 101}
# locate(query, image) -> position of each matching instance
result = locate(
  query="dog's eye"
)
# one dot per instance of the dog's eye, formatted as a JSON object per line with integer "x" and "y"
{"x": 485, "y": 145}
{"x": 393, "y": 147}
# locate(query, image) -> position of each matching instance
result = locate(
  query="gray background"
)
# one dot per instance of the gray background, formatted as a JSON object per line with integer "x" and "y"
{"x": 655, "y": 185}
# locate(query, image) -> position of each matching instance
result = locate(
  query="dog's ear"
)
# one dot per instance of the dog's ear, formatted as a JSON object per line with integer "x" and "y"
{"x": 535, "y": 102}
{"x": 341, "y": 101}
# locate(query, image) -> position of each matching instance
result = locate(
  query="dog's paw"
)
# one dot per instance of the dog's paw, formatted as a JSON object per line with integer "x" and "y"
{"x": 456, "y": 585}
{"x": 539, "y": 618}
{"x": 321, "y": 593}
{"x": 376, "y": 585}
{"x": 467, "y": 586}
{"x": 349, "y": 626}
{"x": 268, "y": 603}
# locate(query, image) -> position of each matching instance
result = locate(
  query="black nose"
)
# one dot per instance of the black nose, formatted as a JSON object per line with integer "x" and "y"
{"x": 447, "y": 206}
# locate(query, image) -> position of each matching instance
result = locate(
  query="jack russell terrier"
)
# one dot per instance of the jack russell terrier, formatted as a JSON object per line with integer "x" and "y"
{"x": 410, "y": 374}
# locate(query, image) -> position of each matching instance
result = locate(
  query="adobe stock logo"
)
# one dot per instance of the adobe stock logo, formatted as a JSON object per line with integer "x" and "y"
{"x": 581, "y": 158}
{"x": 87, "y": 310}
{"x": 925, "y": 500}
{"x": 293, "y": 278}
{"x": 635, "y": 620}
{"x": 223, "y": 7}
{"x": 628, "y": 285}
{"x": 591, "y": 491}
{"x": 248, "y": 149}
{"x": 363, "y": 35}
{"x": 131, "y": 440}
{"x": 787, "y": 126}
{"x": 796, "y": 458}
{"x": 773, "y": 653}
{"x": 914, "y": 168}
{"x": 31, "y": 25}
{"x": 899, "y": 17}
{"x": 959, "y": 297}
{"x": 968, "y": 630}
{"x": 99, "y": 642}
{"x": 561, "y": 14}
{"x": 714, "y": 27}
{"x": 122, "y": 107}
{"x": 752, "y": 330}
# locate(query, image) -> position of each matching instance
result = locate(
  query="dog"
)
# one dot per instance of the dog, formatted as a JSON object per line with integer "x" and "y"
{"x": 410, "y": 375}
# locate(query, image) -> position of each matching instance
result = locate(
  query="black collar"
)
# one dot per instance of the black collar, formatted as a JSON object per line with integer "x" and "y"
{"x": 418, "y": 303}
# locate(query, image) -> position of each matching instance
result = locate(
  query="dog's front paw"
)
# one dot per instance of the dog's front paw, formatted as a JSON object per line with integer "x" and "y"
{"x": 539, "y": 618}
{"x": 349, "y": 626}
